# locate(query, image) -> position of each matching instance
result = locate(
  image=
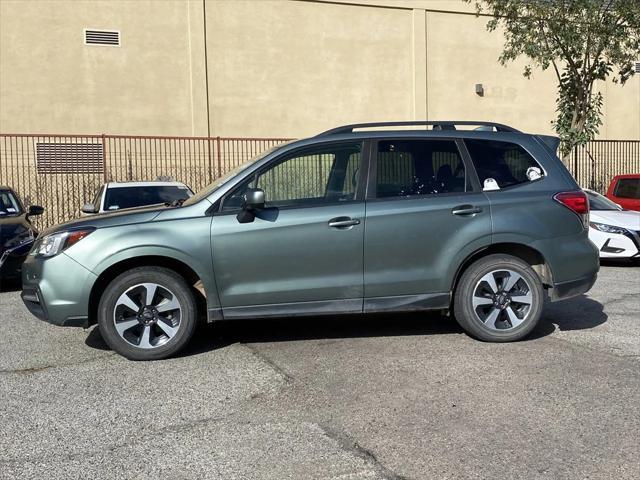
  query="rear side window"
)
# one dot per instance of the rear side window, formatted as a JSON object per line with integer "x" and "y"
{"x": 507, "y": 163}
{"x": 418, "y": 167}
{"x": 129, "y": 197}
{"x": 628, "y": 188}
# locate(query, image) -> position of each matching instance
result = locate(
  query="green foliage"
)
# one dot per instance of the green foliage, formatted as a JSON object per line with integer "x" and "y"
{"x": 583, "y": 40}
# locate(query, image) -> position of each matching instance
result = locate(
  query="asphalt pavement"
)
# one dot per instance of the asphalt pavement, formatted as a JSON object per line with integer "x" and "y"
{"x": 376, "y": 397}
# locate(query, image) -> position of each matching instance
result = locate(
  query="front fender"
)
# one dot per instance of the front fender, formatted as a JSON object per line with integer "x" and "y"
{"x": 185, "y": 240}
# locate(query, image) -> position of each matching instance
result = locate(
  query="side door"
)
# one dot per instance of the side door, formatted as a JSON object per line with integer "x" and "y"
{"x": 425, "y": 214}
{"x": 302, "y": 253}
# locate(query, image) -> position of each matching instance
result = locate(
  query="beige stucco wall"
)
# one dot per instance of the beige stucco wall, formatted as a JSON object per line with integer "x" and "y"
{"x": 275, "y": 68}
{"x": 51, "y": 82}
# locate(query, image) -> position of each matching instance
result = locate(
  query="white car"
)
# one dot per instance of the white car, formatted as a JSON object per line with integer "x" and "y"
{"x": 118, "y": 195}
{"x": 615, "y": 231}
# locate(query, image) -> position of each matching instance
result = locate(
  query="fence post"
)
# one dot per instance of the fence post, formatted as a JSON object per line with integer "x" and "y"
{"x": 219, "y": 157}
{"x": 104, "y": 158}
{"x": 575, "y": 163}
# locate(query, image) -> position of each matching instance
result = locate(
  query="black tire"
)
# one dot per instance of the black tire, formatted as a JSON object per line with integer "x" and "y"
{"x": 473, "y": 284}
{"x": 169, "y": 284}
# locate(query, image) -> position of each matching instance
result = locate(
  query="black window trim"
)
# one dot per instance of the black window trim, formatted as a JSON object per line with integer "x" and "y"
{"x": 359, "y": 193}
{"x": 470, "y": 175}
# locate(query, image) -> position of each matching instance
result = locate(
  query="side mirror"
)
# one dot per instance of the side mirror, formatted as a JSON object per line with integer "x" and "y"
{"x": 35, "y": 210}
{"x": 253, "y": 199}
{"x": 89, "y": 208}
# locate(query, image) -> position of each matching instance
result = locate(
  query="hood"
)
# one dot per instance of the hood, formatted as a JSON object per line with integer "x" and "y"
{"x": 626, "y": 218}
{"x": 102, "y": 220}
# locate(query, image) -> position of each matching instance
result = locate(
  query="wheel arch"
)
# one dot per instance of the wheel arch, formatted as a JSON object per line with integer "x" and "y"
{"x": 110, "y": 273}
{"x": 530, "y": 255}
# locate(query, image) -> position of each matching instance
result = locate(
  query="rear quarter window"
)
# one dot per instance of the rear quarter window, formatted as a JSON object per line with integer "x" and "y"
{"x": 507, "y": 163}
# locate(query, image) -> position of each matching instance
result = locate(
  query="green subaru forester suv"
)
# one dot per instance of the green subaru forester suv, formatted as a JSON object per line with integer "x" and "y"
{"x": 484, "y": 222}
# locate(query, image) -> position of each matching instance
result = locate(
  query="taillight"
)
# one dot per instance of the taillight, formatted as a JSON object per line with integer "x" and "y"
{"x": 575, "y": 201}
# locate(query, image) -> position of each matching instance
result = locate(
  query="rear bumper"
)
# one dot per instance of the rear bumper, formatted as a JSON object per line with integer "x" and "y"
{"x": 574, "y": 263}
{"x": 56, "y": 290}
{"x": 573, "y": 288}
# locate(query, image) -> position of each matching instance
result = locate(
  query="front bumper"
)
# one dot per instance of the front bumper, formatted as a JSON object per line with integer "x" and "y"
{"x": 57, "y": 290}
{"x": 616, "y": 245}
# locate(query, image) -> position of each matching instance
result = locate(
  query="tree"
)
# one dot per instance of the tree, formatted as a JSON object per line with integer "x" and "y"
{"x": 583, "y": 40}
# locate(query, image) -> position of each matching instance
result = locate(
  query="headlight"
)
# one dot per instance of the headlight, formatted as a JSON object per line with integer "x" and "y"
{"x": 608, "y": 228}
{"x": 24, "y": 237}
{"x": 51, "y": 245}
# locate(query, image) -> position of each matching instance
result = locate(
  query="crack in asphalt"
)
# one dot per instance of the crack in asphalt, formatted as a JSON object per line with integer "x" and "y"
{"x": 133, "y": 440}
{"x": 350, "y": 445}
{"x": 624, "y": 296}
{"x": 288, "y": 379}
{"x": 32, "y": 370}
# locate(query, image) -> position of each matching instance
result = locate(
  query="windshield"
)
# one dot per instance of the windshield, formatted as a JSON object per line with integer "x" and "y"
{"x": 628, "y": 188}
{"x": 598, "y": 202}
{"x": 129, "y": 197}
{"x": 9, "y": 204}
{"x": 212, "y": 187}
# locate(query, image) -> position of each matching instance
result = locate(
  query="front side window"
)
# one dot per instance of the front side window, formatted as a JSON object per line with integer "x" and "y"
{"x": 418, "y": 167}
{"x": 314, "y": 176}
{"x": 628, "y": 188}
{"x": 505, "y": 162}
{"x": 130, "y": 197}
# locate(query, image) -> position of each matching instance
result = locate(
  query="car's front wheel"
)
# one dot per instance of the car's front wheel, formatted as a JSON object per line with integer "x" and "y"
{"x": 499, "y": 299}
{"x": 147, "y": 313}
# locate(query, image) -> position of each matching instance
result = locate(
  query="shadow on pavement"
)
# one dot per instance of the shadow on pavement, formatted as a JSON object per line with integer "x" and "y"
{"x": 579, "y": 313}
{"x": 10, "y": 285}
{"x": 620, "y": 262}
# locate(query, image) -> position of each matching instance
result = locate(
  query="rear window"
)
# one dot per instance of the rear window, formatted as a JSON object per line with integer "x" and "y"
{"x": 507, "y": 163}
{"x": 628, "y": 188}
{"x": 129, "y": 197}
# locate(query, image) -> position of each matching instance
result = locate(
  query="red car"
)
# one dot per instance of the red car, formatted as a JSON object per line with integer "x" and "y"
{"x": 625, "y": 191}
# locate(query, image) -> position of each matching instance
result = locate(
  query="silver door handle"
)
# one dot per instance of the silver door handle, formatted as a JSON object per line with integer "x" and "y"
{"x": 343, "y": 222}
{"x": 466, "y": 210}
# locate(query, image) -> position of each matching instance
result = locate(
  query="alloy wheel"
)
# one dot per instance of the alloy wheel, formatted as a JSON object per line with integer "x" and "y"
{"x": 502, "y": 300}
{"x": 147, "y": 315}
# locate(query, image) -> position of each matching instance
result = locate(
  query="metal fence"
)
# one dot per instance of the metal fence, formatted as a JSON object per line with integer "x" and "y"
{"x": 62, "y": 172}
{"x": 595, "y": 164}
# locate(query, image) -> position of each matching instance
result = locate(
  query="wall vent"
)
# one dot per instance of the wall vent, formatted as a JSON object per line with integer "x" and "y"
{"x": 69, "y": 158}
{"x": 637, "y": 67}
{"x": 102, "y": 37}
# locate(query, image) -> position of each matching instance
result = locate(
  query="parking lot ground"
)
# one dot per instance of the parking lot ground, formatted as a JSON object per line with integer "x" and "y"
{"x": 378, "y": 397}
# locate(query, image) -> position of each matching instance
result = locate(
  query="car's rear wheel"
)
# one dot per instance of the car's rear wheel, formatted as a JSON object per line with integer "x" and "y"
{"x": 499, "y": 299}
{"x": 147, "y": 313}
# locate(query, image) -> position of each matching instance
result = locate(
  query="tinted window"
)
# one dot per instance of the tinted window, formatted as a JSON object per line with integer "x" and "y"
{"x": 628, "y": 188}
{"x": 418, "y": 167}
{"x": 9, "y": 204}
{"x": 598, "y": 202}
{"x": 129, "y": 197}
{"x": 507, "y": 163}
{"x": 326, "y": 174}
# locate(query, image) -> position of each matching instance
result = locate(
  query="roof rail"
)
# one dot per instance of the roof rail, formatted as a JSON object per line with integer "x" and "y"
{"x": 437, "y": 125}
